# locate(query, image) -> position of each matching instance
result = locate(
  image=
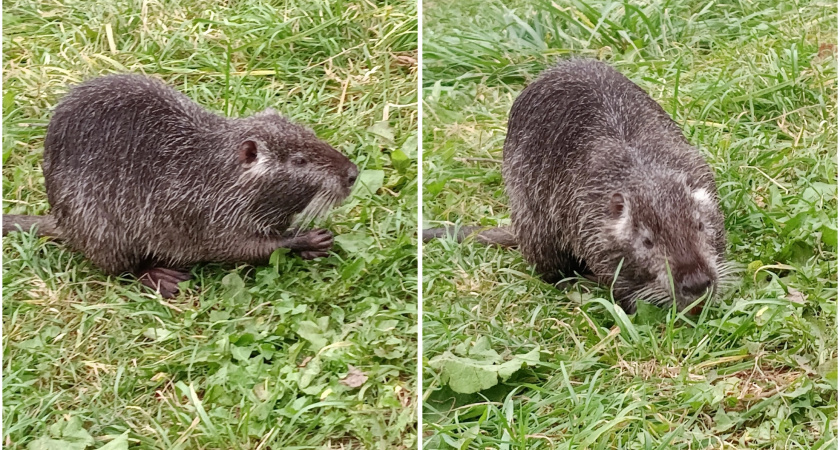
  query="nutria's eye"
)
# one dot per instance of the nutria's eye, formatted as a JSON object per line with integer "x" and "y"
{"x": 700, "y": 226}
{"x": 298, "y": 160}
{"x": 648, "y": 243}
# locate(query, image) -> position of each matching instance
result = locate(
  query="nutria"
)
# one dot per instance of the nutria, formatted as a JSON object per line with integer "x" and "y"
{"x": 599, "y": 177}
{"x": 143, "y": 180}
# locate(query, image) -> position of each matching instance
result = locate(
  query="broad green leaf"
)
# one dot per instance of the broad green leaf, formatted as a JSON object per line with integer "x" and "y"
{"x": 384, "y": 131}
{"x": 45, "y": 443}
{"x": 410, "y": 146}
{"x": 158, "y": 334}
{"x": 278, "y": 256}
{"x": 352, "y": 270}
{"x": 400, "y": 161}
{"x": 119, "y": 443}
{"x": 9, "y": 100}
{"x": 469, "y": 375}
{"x": 240, "y": 353}
{"x": 369, "y": 182}
{"x": 64, "y": 435}
{"x": 464, "y": 375}
{"x": 235, "y": 289}
{"x": 308, "y": 373}
{"x": 354, "y": 242}
{"x": 829, "y": 235}
{"x": 509, "y": 368}
{"x": 316, "y": 333}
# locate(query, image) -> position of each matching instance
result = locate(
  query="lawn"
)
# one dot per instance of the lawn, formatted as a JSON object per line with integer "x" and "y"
{"x": 511, "y": 362}
{"x": 296, "y": 354}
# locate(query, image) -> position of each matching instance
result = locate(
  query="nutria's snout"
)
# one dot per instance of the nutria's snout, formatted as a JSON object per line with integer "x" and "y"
{"x": 693, "y": 277}
{"x": 342, "y": 171}
{"x": 695, "y": 285}
{"x": 352, "y": 175}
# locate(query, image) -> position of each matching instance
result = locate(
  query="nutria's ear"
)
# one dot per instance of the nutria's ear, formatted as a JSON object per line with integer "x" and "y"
{"x": 616, "y": 205}
{"x": 247, "y": 153}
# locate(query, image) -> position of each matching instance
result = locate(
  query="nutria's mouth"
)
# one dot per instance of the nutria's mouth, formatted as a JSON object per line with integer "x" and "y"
{"x": 653, "y": 292}
{"x": 656, "y": 294}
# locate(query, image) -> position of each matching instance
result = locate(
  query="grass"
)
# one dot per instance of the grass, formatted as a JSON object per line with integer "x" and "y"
{"x": 247, "y": 357}
{"x": 511, "y": 362}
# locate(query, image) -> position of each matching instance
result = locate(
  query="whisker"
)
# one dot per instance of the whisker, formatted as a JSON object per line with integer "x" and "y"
{"x": 652, "y": 295}
{"x": 318, "y": 207}
{"x": 305, "y": 217}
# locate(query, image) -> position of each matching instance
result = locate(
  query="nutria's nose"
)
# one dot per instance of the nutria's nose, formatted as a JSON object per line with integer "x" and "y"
{"x": 696, "y": 285}
{"x": 352, "y": 174}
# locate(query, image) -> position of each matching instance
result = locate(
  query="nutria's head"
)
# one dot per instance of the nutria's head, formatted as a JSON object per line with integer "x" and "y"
{"x": 666, "y": 232}
{"x": 289, "y": 171}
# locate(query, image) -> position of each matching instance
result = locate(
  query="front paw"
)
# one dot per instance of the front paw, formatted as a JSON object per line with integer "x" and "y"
{"x": 314, "y": 243}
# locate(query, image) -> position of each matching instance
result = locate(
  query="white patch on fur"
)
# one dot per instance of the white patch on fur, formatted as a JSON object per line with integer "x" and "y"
{"x": 702, "y": 196}
{"x": 258, "y": 168}
{"x": 622, "y": 228}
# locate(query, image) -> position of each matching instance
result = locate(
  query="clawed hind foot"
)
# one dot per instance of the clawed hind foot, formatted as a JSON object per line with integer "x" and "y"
{"x": 163, "y": 280}
{"x": 313, "y": 243}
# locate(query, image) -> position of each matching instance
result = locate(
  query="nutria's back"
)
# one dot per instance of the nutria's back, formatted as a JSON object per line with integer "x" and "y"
{"x": 599, "y": 175}
{"x": 137, "y": 174}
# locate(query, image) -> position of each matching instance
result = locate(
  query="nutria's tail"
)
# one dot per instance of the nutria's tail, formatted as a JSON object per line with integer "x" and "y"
{"x": 501, "y": 236}
{"x": 44, "y": 225}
